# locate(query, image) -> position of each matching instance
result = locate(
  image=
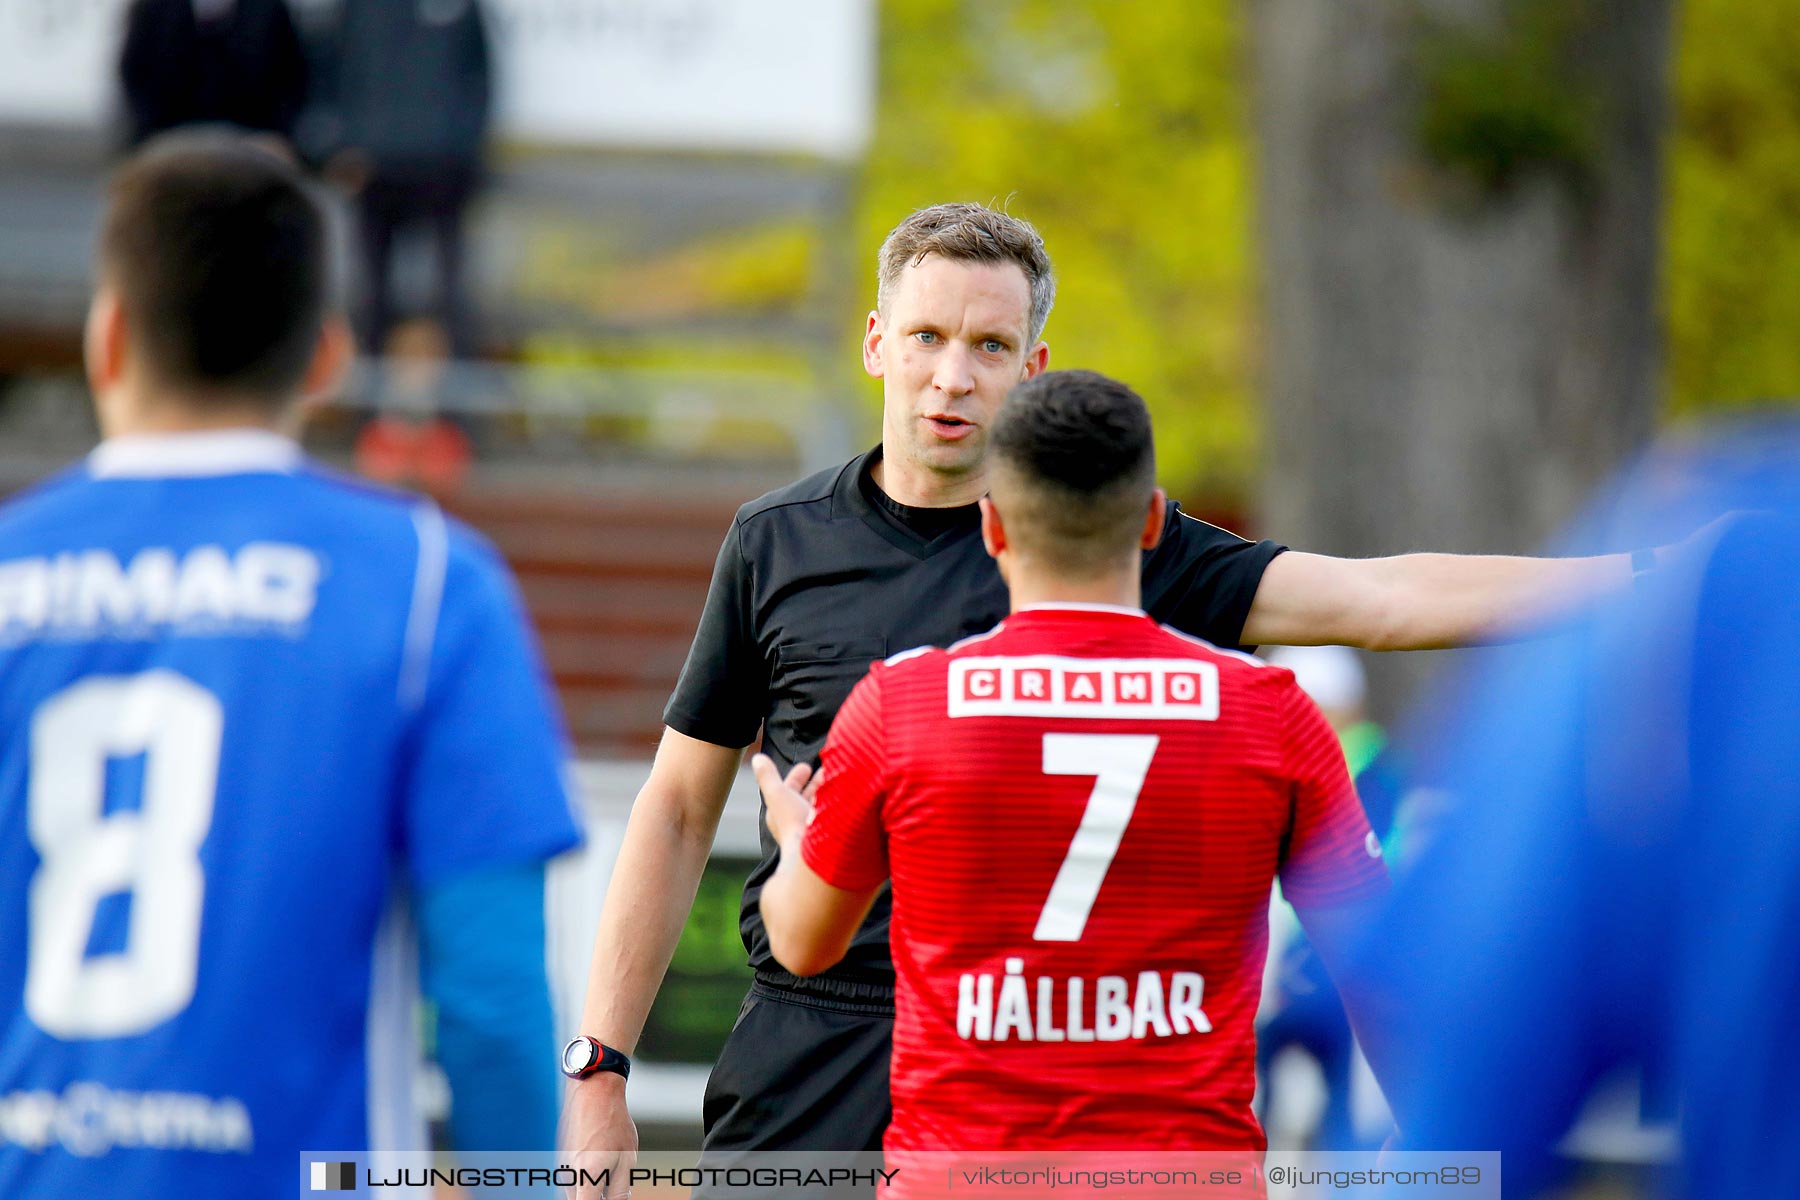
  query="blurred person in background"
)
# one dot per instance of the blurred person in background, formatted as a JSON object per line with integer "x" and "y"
{"x": 246, "y": 707}
{"x": 879, "y": 555}
{"x": 414, "y": 96}
{"x": 1302, "y": 1011}
{"x": 409, "y": 441}
{"x": 207, "y": 62}
{"x": 1333, "y": 677}
{"x": 1612, "y": 895}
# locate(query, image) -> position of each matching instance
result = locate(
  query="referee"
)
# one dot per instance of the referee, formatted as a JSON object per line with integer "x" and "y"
{"x": 883, "y": 553}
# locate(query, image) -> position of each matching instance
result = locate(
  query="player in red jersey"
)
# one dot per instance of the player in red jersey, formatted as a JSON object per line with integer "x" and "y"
{"x": 1081, "y": 812}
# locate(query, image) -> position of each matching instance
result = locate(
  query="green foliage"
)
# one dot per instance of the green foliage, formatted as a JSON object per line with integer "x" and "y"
{"x": 1121, "y": 131}
{"x": 764, "y": 270}
{"x": 1504, "y": 99}
{"x": 1732, "y": 240}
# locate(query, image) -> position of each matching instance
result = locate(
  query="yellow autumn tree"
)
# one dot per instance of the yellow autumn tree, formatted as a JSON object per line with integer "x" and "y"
{"x": 1732, "y": 240}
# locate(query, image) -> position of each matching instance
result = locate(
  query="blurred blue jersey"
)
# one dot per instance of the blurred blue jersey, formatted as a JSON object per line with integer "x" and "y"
{"x": 244, "y": 705}
{"x": 1614, "y": 890}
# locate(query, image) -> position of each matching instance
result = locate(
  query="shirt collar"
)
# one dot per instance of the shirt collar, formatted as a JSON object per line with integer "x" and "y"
{"x": 1075, "y": 606}
{"x": 212, "y": 452}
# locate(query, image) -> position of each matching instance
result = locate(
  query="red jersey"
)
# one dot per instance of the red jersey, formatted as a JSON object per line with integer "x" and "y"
{"x": 1081, "y": 813}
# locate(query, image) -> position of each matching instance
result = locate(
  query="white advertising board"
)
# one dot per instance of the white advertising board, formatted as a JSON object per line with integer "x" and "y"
{"x": 773, "y": 76}
{"x": 58, "y": 60}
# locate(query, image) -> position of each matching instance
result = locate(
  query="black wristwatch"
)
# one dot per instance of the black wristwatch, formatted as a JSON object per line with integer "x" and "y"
{"x": 585, "y": 1056}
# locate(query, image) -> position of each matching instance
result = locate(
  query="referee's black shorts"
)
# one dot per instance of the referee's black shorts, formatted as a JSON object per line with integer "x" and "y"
{"x": 804, "y": 1068}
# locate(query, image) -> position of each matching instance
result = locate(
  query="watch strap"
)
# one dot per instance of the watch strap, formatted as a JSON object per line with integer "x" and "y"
{"x": 601, "y": 1058}
{"x": 612, "y": 1060}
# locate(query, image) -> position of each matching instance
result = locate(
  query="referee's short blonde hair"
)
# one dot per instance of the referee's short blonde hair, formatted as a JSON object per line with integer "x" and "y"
{"x": 969, "y": 233}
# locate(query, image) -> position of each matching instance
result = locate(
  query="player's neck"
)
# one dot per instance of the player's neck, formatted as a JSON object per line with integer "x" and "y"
{"x": 132, "y": 415}
{"x": 919, "y": 487}
{"x": 1027, "y": 587}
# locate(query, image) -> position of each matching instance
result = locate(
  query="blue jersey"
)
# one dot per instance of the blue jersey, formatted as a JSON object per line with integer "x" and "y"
{"x": 1614, "y": 891}
{"x": 244, "y": 705}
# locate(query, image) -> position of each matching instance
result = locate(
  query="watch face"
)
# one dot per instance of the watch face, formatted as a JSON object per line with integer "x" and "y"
{"x": 578, "y": 1056}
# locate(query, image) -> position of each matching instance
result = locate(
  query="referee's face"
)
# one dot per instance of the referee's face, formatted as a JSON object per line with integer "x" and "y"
{"x": 947, "y": 350}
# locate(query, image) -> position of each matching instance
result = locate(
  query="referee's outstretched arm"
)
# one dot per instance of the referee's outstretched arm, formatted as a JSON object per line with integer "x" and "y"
{"x": 653, "y": 884}
{"x": 1439, "y": 601}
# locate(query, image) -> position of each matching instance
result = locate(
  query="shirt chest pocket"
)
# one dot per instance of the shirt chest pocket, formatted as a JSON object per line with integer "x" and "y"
{"x": 815, "y": 677}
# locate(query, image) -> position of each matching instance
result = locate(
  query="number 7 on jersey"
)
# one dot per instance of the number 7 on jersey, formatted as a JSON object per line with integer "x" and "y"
{"x": 1119, "y": 763}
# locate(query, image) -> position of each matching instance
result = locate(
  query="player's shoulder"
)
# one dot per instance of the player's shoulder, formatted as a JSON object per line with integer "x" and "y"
{"x": 421, "y": 539}
{"x": 911, "y": 666}
{"x": 929, "y": 665}
{"x": 795, "y": 498}
{"x": 915, "y": 660}
{"x": 44, "y": 500}
{"x": 354, "y": 494}
{"x": 380, "y": 502}
{"x": 1234, "y": 664}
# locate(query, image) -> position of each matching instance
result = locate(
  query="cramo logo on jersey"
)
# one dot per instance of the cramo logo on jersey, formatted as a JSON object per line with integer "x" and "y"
{"x": 90, "y": 591}
{"x": 1114, "y": 1009}
{"x": 1048, "y": 685}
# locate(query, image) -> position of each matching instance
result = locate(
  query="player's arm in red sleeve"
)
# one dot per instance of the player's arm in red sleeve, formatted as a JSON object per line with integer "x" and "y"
{"x": 1333, "y": 873}
{"x": 834, "y": 851}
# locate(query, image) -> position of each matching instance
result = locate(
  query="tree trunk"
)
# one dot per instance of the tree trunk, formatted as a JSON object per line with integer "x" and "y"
{"x": 1450, "y": 365}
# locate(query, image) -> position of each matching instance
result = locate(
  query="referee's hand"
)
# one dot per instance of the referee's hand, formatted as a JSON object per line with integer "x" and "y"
{"x": 789, "y": 800}
{"x": 598, "y": 1135}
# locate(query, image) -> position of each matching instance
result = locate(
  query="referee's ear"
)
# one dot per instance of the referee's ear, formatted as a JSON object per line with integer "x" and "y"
{"x": 1037, "y": 360}
{"x": 993, "y": 533}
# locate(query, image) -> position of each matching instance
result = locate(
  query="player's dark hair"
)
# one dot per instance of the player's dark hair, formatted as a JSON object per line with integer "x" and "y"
{"x": 219, "y": 250}
{"x": 1074, "y": 466}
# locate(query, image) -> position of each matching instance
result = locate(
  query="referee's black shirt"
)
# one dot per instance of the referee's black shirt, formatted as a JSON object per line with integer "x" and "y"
{"x": 820, "y": 579}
